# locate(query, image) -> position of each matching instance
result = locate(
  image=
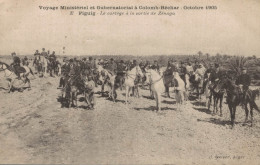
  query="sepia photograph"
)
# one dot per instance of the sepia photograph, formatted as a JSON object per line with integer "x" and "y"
{"x": 130, "y": 82}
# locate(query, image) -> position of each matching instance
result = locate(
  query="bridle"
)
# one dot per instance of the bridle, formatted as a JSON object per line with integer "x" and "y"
{"x": 137, "y": 73}
{"x": 153, "y": 82}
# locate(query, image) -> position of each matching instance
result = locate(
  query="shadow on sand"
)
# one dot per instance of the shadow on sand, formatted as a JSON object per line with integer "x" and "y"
{"x": 217, "y": 121}
{"x": 203, "y": 109}
{"x": 199, "y": 103}
{"x": 148, "y": 97}
{"x": 168, "y": 102}
{"x": 153, "y": 108}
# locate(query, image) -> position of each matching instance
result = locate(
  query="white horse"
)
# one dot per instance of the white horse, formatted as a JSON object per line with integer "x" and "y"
{"x": 187, "y": 87}
{"x": 130, "y": 80}
{"x": 107, "y": 78}
{"x": 179, "y": 90}
{"x": 10, "y": 76}
{"x": 157, "y": 86}
{"x": 43, "y": 62}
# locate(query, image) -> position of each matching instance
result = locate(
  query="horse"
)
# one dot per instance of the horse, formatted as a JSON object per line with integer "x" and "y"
{"x": 234, "y": 99}
{"x": 12, "y": 77}
{"x": 187, "y": 87}
{"x": 130, "y": 79}
{"x": 217, "y": 95}
{"x": 157, "y": 86}
{"x": 71, "y": 90}
{"x": 52, "y": 65}
{"x": 179, "y": 88}
{"x": 197, "y": 83}
{"x": 107, "y": 78}
{"x": 43, "y": 65}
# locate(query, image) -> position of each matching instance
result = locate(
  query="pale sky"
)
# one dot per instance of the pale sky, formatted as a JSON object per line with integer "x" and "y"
{"x": 234, "y": 28}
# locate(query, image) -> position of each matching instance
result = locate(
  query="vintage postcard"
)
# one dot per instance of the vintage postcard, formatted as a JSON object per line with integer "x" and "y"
{"x": 129, "y": 82}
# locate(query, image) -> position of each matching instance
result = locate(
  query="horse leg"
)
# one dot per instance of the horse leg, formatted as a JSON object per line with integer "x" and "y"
{"x": 29, "y": 82}
{"x": 112, "y": 93}
{"x": 220, "y": 106}
{"x": 69, "y": 99}
{"x": 252, "y": 115}
{"x": 159, "y": 101}
{"x": 210, "y": 100}
{"x": 126, "y": 93}
{"x": 231, "y": 112}
{"x": 167, "y": 91}
{"x": 102, "y": 88}
{"x": 246, "y": 111}
{"x": 233, "y": 116}
{"x": 217, "y": 99}
{"x": 156, "y": 99}
{"x": 76, "y": 99}
{"x": 151, "y": 92}
{"x": 137, "y": 91}
{"x": 214, "y": 105}
{"x": 10, "y": 86}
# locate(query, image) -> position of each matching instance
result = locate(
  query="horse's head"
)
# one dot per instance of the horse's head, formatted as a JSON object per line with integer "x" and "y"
{"x": 139, "y": 71}
{"x": 227, "y": 84}
{"x": 152, "y": 75}
{"x": 3, "y": 66}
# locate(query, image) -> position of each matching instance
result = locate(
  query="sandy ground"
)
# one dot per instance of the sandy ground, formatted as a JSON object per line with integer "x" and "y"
{"x": 35, "y": 129}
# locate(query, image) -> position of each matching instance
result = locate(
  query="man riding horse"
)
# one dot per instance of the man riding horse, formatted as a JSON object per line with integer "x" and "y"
{"x": 17, "y": 65}
{"x": 182, "y": 71}
{"x": 121, "y": 70}
{"x": 52, "y": 63}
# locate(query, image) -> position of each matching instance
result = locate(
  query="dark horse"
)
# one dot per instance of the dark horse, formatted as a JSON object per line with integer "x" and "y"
{"x": 217, "y": 93}
{"x": 234, "y": 98}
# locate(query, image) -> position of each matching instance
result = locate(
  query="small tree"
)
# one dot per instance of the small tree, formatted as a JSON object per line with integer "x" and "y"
{"x": 237, "y": 64}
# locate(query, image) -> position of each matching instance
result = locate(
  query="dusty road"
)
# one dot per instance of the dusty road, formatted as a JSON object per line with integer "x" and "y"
{"x": 35, "y": 129}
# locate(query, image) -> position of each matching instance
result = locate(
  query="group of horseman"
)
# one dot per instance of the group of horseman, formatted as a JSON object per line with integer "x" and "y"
{"x": 52, "y": 61}
{"x": 72, "y": 68}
